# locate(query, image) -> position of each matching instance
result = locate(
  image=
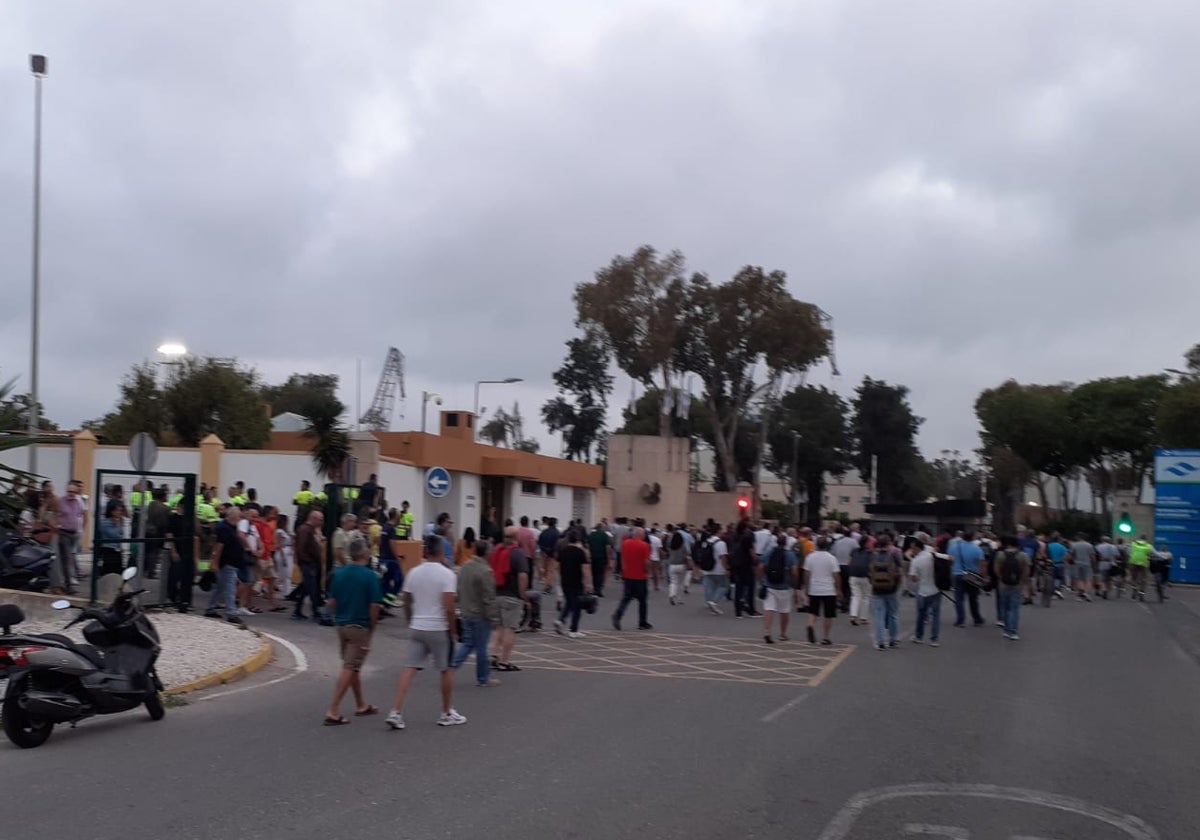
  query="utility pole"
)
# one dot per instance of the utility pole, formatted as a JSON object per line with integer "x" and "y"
{"x": 37, "y": 65}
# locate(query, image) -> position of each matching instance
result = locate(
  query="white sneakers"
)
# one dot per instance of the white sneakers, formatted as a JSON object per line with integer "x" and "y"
{"x": 713, "y": 608}
{"x": 451, "y": 718}
{"x": 558, "y": 626}
{"x": 395, "y": 720}
{"x": 576, "y": 635}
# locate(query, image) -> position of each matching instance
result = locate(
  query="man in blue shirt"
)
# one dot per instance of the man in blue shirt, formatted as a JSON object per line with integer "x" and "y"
{"x": 354, "y": 595}
{"x": 968, "y": 557}
{"x": 1057, "y": 551}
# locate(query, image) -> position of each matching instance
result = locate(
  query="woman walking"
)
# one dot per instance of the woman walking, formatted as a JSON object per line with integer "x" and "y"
{"x": 285, "y": 559}
{"x": 464, "y": 551}
{"x": 860, "y": 585}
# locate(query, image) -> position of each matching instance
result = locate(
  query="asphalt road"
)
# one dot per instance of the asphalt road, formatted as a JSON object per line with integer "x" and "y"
{"x": 1083, "y": 729}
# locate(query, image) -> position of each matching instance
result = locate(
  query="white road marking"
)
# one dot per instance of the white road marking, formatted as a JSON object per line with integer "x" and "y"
{"x": 1028, "y": 837}
{"x": 300, "y": 667}
{"x": 786, "y": 707}
{"x": 953, "y": 832}
{"x": 844, "y": 821}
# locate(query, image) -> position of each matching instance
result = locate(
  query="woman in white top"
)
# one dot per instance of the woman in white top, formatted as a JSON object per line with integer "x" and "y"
{"x": 284, "y": 557}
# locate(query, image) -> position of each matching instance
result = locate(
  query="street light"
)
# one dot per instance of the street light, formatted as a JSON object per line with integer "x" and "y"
{"x": 510, "y": 381}
{"x": 37, "y": 66}
{"x": 171, "y": 353}
{"x": 426, "y": 396}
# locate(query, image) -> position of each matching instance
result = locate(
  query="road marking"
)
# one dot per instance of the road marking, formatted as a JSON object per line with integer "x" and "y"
{"x": 786, "y": 707}
{"x": 300, "y": 667}
{"x": 844, "y": 821}
{"x": 953, "y": 832}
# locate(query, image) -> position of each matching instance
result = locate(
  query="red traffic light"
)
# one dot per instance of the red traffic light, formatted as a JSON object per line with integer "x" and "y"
{"x": 743, "y": 503}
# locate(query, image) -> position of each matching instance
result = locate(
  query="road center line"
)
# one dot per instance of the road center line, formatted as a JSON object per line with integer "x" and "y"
{"x": 300, "y": 667}
{"x": 785, "y": 708}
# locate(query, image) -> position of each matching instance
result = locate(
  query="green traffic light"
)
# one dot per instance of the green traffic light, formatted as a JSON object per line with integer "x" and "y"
{"x": 1125, "y": 526}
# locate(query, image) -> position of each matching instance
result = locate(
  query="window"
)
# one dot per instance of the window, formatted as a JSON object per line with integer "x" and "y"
{"x": 531, "y": 488}
{"x": 452, "y": 418}
{"x": 550, "y": 491}
{"x": 843, "y": 500}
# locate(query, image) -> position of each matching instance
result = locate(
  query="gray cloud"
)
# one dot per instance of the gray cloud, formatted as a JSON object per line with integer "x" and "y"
{"x": 974, "y": 191}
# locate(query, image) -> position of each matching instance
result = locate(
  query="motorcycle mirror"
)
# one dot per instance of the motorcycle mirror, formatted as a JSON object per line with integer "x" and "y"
{"x": 130, "y": 573}
{"x": 61, "y": 605}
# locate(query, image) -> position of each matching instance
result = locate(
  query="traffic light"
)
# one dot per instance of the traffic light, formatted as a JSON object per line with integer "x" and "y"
{"x": 1125, "y": 525}
{"x": 743, "y": 505}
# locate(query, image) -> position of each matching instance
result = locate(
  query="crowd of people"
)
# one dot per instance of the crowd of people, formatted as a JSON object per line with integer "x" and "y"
{"x": 475, "y": 591}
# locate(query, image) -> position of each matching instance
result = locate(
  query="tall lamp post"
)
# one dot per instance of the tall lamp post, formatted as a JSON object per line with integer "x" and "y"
{"x": 170, "y": 354}
{"x": 426, "y": 396}
{"x": 37, "y": 65}
{"x": 509, "y": 381}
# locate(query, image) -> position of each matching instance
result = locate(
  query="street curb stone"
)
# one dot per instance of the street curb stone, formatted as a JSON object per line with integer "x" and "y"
{"x": 227, "y": 675}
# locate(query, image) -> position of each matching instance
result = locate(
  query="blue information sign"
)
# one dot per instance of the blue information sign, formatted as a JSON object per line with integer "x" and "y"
{"x": 437, "y": 482}
{"x": 1177, "y": 509}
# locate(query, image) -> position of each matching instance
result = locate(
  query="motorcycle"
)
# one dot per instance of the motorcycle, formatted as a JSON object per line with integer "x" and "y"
{"x": 53, "y": 679}
{"x": 24, "y": 563}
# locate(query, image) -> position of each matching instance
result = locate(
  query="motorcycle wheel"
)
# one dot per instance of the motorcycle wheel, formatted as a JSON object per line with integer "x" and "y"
{"x": 24, "y": 731}
{"x": 154, "y": 706}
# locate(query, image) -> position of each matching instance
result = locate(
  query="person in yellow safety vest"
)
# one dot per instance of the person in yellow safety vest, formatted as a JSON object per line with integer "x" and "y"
{"x": 175, "y": 499}
{"x": 1139, "y": 564}
{"x": 305, "y": 496}
{"x": 404, "y": 528}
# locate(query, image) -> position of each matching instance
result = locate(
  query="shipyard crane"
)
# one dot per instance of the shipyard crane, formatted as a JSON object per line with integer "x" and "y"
{"x": 378, "y": 418}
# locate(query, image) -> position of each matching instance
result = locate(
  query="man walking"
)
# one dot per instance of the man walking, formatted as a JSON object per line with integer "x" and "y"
{"x": 714, "y": 569}
{"x": 635, "y": 570}
{"x": 1012, "y": 573}
{"x": 480, "y": 610}
{"x": 601, "y": 551}
{"x": 968, "y": 558}
{"x": 71, "y": 516}
{"x": 743, "y": 564}
{"x": 929, "y": 597}
{"x": 510, "y": 570}
{"x": 228, "y": 559}
{"x": 885, "y": 572}
{"x": 1083, "y": 558}
{"x": 778, "y": 572}
{"x": 310, "y": 560}
{"x": 822, "y": 583}
{"x": 354, "y": 597}
{"x": 574, "y": 575}
{"x": 428, "y": 596}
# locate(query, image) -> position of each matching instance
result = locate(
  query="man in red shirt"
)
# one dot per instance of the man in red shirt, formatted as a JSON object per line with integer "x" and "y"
{"x": 635, "y": 568}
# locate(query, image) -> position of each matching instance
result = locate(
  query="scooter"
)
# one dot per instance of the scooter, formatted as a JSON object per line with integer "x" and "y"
{"x": 53, "y": 679}
{"x": 24, "y": 563}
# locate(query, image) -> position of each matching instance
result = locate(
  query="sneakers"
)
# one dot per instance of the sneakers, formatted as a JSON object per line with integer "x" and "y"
{"x": 1012, "y": 637}
{"x": 916, "y": 641}
{"x": 880, "y": 647}
{"x": 575, "y": 635}
{"x": 828, "y": 642}
{"x": 934, "y": 643}
{"x": 671, "y": 600}
{"x": 244, "y": 611}
{"x": 893, "y": 644}
{"x": 558, "y": 626}
{"x": 999, "y": 623}
{"x": 450, "y": 718}
{"x": 394, "y": 720}
{"x": 646, "y": 626}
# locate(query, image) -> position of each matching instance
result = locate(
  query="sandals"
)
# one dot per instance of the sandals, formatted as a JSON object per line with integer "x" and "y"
{"x": 369, "y": 710}
{"x": 340, "y": 720}
{"x": 505, "y": 666}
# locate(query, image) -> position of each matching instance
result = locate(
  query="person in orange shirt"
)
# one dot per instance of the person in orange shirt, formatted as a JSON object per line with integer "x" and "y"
{"x": 266, "y": 560}
{"x": 464, "y": 550}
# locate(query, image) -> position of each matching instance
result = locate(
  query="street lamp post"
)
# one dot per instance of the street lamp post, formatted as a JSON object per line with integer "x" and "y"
{"x": 509, "y": 381}
{"x": 426, "y": 396}
{"x": 37, "y": 65}
{"x": 796, "y": 476}
{"x": 171, "y": 354}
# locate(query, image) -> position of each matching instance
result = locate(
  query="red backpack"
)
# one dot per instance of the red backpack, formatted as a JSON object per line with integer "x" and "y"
{"x": 501, "y": 564}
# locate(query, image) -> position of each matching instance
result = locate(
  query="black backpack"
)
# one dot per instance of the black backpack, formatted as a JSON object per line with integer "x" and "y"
{"x": 943, "y": 572}
{"x": 882, "y": 573}
{"x": 1010, "y": 569}
{"x": 776, "y": 566}
{"x": 708, "y": 557}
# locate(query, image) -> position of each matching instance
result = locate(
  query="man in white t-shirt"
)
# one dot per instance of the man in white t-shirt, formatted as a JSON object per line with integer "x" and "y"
{"x": 248, "y": 533}
{"x": 428, "y": 597}
{"x": 822, "y": 583}
{"x": 763, "y": 540}
{"x": 656, "y": 556}
{"x": 716, "y": 579}
{"x": 929, "y": 597}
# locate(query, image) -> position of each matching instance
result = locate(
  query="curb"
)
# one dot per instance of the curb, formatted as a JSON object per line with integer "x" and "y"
{"x": 231, "y": 674}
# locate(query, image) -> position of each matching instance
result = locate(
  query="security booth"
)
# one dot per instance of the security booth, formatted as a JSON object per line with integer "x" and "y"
{"x": 143, "y": 537}
{"x": 932, "y": 517}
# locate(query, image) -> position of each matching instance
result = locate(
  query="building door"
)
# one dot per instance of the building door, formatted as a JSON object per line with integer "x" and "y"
{"x": 580, "y": 507}
{"x": 492, "y": 493}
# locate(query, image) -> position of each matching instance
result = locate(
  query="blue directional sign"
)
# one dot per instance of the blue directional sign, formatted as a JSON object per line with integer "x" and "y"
{"x": 437, "y": 482}
{"x": 1177, "y": 509}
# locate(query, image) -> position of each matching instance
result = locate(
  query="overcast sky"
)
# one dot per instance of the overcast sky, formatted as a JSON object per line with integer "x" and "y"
{"x": 973, "y": 190}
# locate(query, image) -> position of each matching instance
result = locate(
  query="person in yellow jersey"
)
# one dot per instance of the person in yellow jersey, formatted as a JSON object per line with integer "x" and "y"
{"x": 404, "y": 525}
{"x": 1140, "y": 551}
{"x": 303, "y": 501}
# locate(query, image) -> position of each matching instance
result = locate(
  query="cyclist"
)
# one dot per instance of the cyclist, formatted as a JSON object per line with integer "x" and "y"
{"x": 1139, "y": 562}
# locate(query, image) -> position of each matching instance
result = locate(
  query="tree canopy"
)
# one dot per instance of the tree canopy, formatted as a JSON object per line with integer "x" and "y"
{"x": 299, "y": 391}
{"x": 811, "y": 431}
{"x": 584, "y": 383}
{"x": 884, "y": 426}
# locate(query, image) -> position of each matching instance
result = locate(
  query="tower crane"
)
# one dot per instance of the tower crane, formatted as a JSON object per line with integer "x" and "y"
{"x": 378, "y": 418}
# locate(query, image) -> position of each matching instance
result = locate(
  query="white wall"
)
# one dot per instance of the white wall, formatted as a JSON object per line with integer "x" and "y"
{"x": 403, "y": 483}
{"x": 536, "y": 507}
{"x": 54, "y": 463}
{"x": 275, "y": 475}
{"x": 169, "y": 460}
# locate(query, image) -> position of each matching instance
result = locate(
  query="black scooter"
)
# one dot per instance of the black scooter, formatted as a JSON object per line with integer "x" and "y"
{"x": 24, "y": 563}
{"x": 52, "y": 679}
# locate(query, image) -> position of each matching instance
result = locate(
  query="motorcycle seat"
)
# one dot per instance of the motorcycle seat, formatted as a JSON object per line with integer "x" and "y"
{"x": 91, "y": 653}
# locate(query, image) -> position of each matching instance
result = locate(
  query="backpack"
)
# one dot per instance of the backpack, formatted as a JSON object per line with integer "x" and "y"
{"x": 882, "y": 573}
{"x": 776, "y": 566}
{"x": 501, "y": 565}
{"x": 1010, "y": 569}
{"x": 943, "y": 572}
{"x": 708, "y": 556}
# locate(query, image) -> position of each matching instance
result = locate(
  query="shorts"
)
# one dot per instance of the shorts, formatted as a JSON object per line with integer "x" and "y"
{"x": 1083, "y": 571}
{"x": 423, "y": 644}
{"x": 511, "y": 610}
{"x": 244, "y": 575}
{"x": 354, "y": 642}
{"x": 827, "y": 604}
{"x": 778, "y": 600}
{"x": 1105, "y": 569}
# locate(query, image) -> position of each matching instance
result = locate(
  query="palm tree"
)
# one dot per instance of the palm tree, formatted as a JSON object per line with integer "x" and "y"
{"x": 330, "y": 440}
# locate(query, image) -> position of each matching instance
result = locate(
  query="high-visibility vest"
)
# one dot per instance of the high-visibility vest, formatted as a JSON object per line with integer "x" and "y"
{"x": 206, "y": 512}
{"x": 238, "y": 500}
{"x": 304, "y": 497}
{"x": 174, "y": 500}
{"x": 135, "y": 499}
